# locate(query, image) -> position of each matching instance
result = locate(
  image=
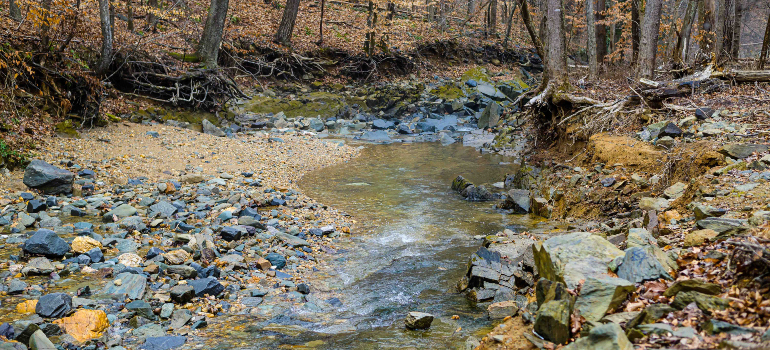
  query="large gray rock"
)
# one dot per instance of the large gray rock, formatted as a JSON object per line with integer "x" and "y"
{"x": 552, "y": 321}
{"x": 46, "y": 242}
{"x": 639, "y": 237}
{"x": 38, "y": 341}
{"x": 164, "y": 208}
{"x": 693, "y": 285}
{"x": 742, "y": 150}
{"x": 122, "y": 211}
{"x": 723, "y": 226}
{"x": 518, "y": 201}
{"x": 640, "y": 264}
{"x": 418, "y": 320}
{"x": 705, "y": 302}
{"x": 126, "y": 285}
{"x": 54, "y": 305}
{"x": 48, "y": 178}
{"x": 207, "y": 286}
{"x": 601, "y": 294}
{"x": 703, "y": 211}
{"x": 490, "y": 116}
{"x": 606, "y": 337}
{"x": 376, "y": 136}
{"x": 211, "y": 129}
{"x": 574, "y": 257}
{"x": 650, "y": 314}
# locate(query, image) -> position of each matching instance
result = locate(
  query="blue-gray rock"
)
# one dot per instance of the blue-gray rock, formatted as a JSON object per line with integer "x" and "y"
{"x": 276, "y": 260}
{"x": 380, "y": 124}
{"x": 54, "y": 305}
{"x": 122, "y": 211}
{"x": 141, "y": 308}
{"x": 96, "y": 255}
{"x": 640, "y": 264}
{"x": 742, "y": 150}
{"x": 211, "y": 129}
{"x": 46, "y": 242}
{"x": 48, "y": 178}
{"x": 703, "y": 113}
{"x": 131, "y": 286}
{"x": 163, "y": 343}
{"x": 490, "y": 116}
{"x": 36, "y": 206}
{"x": 723, "y": 226}
{"x": 164, "y": 208}
{"x": 7, "y": 331}
{"x": 182, "y": 293}
{"x": 208, "y": 285}
{"x": 376, "y": 136}
{"x": 518, "y": 201}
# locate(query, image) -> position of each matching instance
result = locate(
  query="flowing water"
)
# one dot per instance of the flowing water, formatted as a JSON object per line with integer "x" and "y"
{"x": 411, "y": 244}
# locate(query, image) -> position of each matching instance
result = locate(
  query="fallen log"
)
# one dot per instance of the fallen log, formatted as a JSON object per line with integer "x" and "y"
{"x": 744, "y": 76}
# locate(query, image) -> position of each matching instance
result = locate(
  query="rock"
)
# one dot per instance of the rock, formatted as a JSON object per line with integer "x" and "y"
{"x": 742, "y": 150}
{"x": 38, "y": 341}
{"x": 605, "y": 337}
{"x": 191, "y": 178}
{"x": 83, "y": 244}
{"x": 180, "y": 317}
{"x": 7, "y": 331}
{"x": 640, "y": 264}
{"x": 54, "y": 305}
{"x": 36, "y": 206}
{"x": 723, "y": 226}
{"x": 163, "y": 343}
{"x": 376, "y": 136}
{"x": 675, "y": 191}
{"x": 418, "y": 320}
{"x": 541, "y": 207}
{"x": 698, "y": 237}
{"x": 670, "y": 130}
{"x": 650, "y": 314}
{"x": 518, "y": 201}
{"x": 692, "y": 285}
{"x": 703, "y": 113}
{"x": 85, "y": 325}
{"x": 714, "y": 326}
{"x": 490, "y": 116}
{"x": 573, "y": 257}
{"x": 476, "y": 194}
{"x": 126, "y": 285}
{"x": 130, "y": 260}
{"x": 552, "y": 321}
{"x": 184, "y": 271}
{"x": 177, "y": 257}
{"x": 601, "y": 294}
{"x": 122, "y": 211}
{"x": 703, "y": 211}
{"x": 38, "y": 266}
{"x": 48, "y": 178}
{"x": 164, "y": 208}
{"x": 182, "y": 293}
{"x": 141, "y": 308}
{"x": 380, "y": 124}
{"x": 26, "y": 307}
{"x": 16, "y": 287}
{"x": 211, "y": 129}
{"x": 276, "y": 260}
{"x": 639, "y": 237}
{"x": 608, "y": 181}
{"x": 207, "y": 286}
{"x": 502, "y": 309}
{"x": 665, "y": 142}
{"x": 446, "y": 139}
{"x": 490, "y": 91}
{"x": 657, "y": 204}
{"x": 46, "y": 242}
{"x": 704, "y": 302}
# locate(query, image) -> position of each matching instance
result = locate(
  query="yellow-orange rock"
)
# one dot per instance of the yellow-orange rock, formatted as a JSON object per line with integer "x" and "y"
{"x": 26, "y": 307}
{"x": 85, "y": 325}
{"x": 82, "y": 244}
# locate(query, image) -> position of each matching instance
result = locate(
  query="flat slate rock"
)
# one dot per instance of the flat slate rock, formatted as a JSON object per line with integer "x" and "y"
{"x": 640, "y": 264}
{"x": 163, "y": 343}
{"x": 131, "y": 286}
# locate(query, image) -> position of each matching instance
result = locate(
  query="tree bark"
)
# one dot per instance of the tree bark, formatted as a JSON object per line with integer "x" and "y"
{"x": 510, "y": 24}
{"x": 765, "y": 46}
{"x": 635, "y": 32}
{"x": 601, "y": 31}
{"x": 130, "y": 15}
{"x": 556, "y": 60}
{"x": 706, "y": 20}
{"x": 283, "y": 35}
{"x": 472, "y": 4}
{"x": 593, "y": 63}
{"x": 724, "y": 31}
{"x": 151, "y": 19}
{"x": 526, "y": 17}
{"x": 737, "y": 25}
{"x": 649, "y": 43}
{"x": 208, "y": 47}
{"x": 683, "y": 40}
{"x": 107, "y": 35}
{"x": 321, "y": 24}
{"x": 15, "y": 11}
{"x": 492, "y": 27}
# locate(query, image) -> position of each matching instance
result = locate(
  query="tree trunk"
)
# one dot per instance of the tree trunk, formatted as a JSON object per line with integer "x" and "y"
{"x": 649, "y": 43}
{"x": 492, "y": 27}
{"x": 526, "y": 17}
{"x": 321, "y": 24}
{"x": 130, "y": 15}
{"x": 593, "y": 64}
{"x": 107, "y": 35}
{"x": 601, "y": 31}
{"x": 510, "y": 24}
{"x": 737, "y": 25}
{"x": 44, "y": 27}
{"x": 208, "y": 47}
{"x": 706, "y": 20}
{"x": 15, "y": 12}
{"x": 556, "y": 60}
{"x": 724, "y": 31}
{"x": 151, "y": 19}
{"x": 472, "y": 4}
{"x": 635, "y": 32}
{"x": 765, "y": 45}
{"x": 683, "y": 40}
{"x": 283, "y": 36}
{"x": 442, "y": 15}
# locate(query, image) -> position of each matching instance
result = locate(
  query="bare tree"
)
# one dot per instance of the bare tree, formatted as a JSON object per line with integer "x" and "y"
{"x": 649, "y": 43}
{"x": 683, "y": 40}
{"x": 765, "y": 46}
{"x": 601, "y": 31}
{"x": 492, "y": 17}
{"x": 15, "y": 12}
{"x": 526, "y": 17}
{"x": 635, "y": 32}
{"x": 321, "y": 24}
{"x": 208, "y": 47}
{"x": 724, "y": 31}
{"x": 735, "y": 46}
{"x": 283, "y": 35}
{"x": 510, "y": 24}
{"x": 106, "y": 23}
{"x": 706, "y": 20}
{"x": 591, "y": 46}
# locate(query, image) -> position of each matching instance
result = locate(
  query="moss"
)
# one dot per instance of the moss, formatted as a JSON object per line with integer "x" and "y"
{"x": 113, "y": 118}
{"x": 448, "y": 92}
{"x": 477, "y": 74}
{"x": 316, "y": 103}
{"x": 66, "y": 128}
{"x": 190, "y": 57}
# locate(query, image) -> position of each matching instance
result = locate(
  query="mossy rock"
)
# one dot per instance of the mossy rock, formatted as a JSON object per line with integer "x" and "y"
{"x": 190, "y": 57}
{"x": 66, "y": 128}
{"x": 477, "y": 74}
{"x": 321, "y": 103}
{"x": 448, "y": 92}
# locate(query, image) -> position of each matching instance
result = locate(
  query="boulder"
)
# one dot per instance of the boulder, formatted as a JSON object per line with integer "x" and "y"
{"x": 650, "y": 314}
{"x": 540, "y": 207}
{"x": 675, "y": 191}
{"x": 704, "y": 302}
{"x": 490, "y": 116}
{"x": 54, "y": 305}
{"x": 605, "y": 337}
{"x": 126, "y": 285}
{"x": 714, "y": 326}
{"x": 164, "y": 208}
{"x": 703, "y": 113}
{"x": 122, "y": 211}
{"x": 48, "y": 178}
{"x": 182, "y": 293}
{"x": 518, "y": 201}
{"x": 703, "y": 211}
{"x": 696, "y": 285}
{"x": 742, "y": 150}
{"x": 601, "y": 294}
{"x": 698, "y": 237}
{"x": 83, "y": 244}
{"x": 207, "y": 286}
{"x": 164, "y": 342}
{"x": 639, "y": 237}
{"x": 211, "y": 129}
{"x": 46, "y": 242}
{"x": 723, "y": 226}
{"x": 276, "y": 260}
{"x": 177, "y": 257}
{"x": 573, "y": 257}
{"x": 502, "y": 309}
{"x": 84, "y": 325}
{"x": 418, "y": 320}
{"x": 38, "y": 341}
{"x": 552, "y": 321}
{"x": 640, "y": 264}
{"x": 38, "y": 266}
